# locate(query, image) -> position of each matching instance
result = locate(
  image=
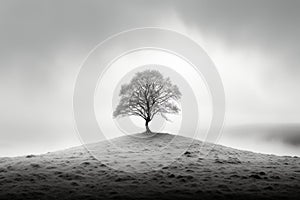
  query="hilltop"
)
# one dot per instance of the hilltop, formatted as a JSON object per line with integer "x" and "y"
{"x": 123, "y": 173}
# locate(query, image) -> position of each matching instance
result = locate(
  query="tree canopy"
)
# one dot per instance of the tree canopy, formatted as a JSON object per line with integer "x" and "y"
{"x": 147, "y": 95}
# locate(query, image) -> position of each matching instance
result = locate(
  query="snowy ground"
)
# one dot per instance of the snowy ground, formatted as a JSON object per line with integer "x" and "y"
{"x": 179, "y": 173}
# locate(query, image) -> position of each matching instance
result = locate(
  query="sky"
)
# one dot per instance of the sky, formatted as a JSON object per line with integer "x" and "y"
{"x": 253, "y": 44}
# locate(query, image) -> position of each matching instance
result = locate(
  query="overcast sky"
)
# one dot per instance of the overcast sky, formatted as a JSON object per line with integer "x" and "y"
{"x": 254, "y": 45}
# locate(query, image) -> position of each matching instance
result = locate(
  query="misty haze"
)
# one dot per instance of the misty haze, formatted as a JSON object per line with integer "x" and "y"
{"x": 149, "y": 99}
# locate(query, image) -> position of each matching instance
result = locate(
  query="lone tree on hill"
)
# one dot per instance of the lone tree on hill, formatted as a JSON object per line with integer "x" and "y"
{"x": 148, "y": 94}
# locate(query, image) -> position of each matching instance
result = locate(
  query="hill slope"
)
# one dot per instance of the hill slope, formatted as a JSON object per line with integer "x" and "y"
{"x": 225, "y": 173}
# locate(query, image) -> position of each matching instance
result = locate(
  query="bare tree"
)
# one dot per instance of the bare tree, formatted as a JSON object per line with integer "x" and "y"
{"x": 148, "y": 94}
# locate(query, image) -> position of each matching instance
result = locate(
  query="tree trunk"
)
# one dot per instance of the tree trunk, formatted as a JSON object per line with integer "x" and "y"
{"x": 147, "y": 126}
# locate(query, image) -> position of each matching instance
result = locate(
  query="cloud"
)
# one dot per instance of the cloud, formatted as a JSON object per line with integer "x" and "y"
{"x": 284, "y": 133}
{"x": 253, "y": 44}
{"x": 289, "y": 135}
{"x": 271, "y": 25}
{"x": 280, "y": 139}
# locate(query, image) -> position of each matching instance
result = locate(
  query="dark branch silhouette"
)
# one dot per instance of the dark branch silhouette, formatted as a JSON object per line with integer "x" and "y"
{"x": 147, "y": 95}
